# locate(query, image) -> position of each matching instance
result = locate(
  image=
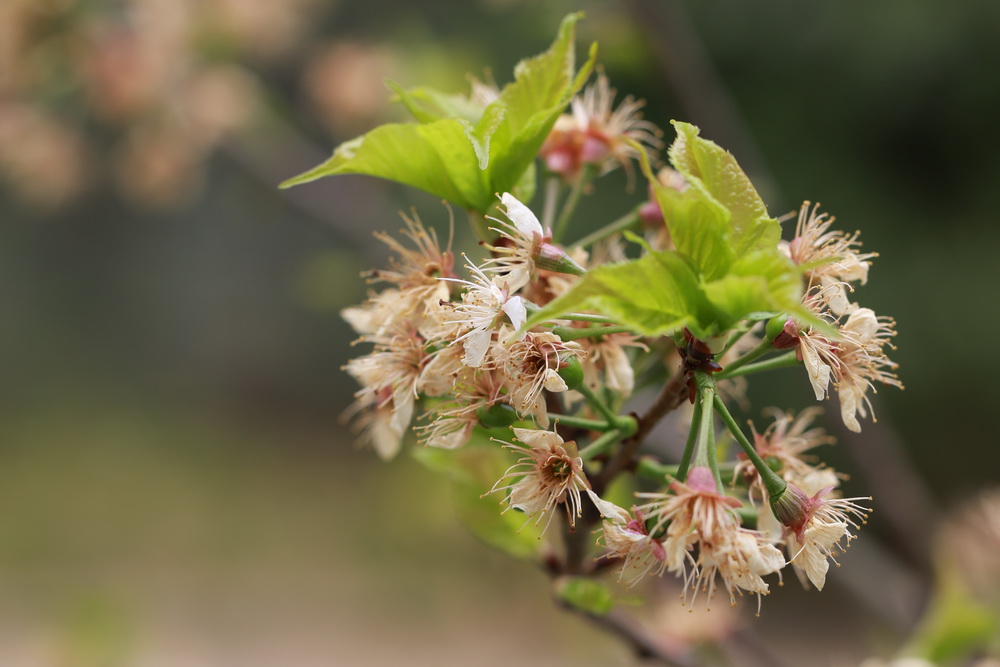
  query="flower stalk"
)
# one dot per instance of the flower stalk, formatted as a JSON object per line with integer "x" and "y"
{"x": 601, "y": 445}
{"x": 763, "y": 348}
{"x": 784, "y": 361}
{"x": 586, "y": 176}
{"x": 704, "y": 450}
{"x": 627, "y": 221}
{"x": 774, "y": 484}
{"x": 573, "y": 333}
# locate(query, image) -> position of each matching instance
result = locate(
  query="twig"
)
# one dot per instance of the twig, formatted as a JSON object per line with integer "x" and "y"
{"x": 625, "y": 627}
{"x": 672, "y": 395}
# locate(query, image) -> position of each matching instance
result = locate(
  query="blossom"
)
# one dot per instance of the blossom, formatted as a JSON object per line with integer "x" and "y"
{"x": 471, "y": 391}
{"x": 862, "y": 360}
{"x": 389, "y": 378}
{"x": 608, "y": 354}
{"x": 533, "y": 364}
{"x": 550, "y": 472}
{"x": 785, "y": 441}
{"x": 830, "y": 258}
{"x": 484, "y": 302}
{"x": 815, "y": 526}
{"x": 696, "y": 514}
{"x": 626, "y": 538}
{"x": 414, "y": 274}
{"x": 852, "y": 361}
{"x": 595, "y": 133}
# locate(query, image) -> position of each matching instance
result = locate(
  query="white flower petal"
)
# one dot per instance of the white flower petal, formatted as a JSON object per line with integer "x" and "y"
{"x": 609, "y": 510}
{"x": 553, "y": 382}
{"x": 522, "y": 217}
{"x": 476, "y": 344}
{"x": 515, "y": 310}
{"x": 819, "y": 372}
{"x": 535, "y": 438}
{"x": 851, "y": 404}
{"x": 863, "y": 323}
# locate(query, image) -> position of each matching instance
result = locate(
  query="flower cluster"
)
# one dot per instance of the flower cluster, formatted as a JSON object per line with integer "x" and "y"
{"x": 597, "y": 134}
{"x": 537, "y": 346}
{"x": 459, "y": 342}
{"x": 850, "y": 352}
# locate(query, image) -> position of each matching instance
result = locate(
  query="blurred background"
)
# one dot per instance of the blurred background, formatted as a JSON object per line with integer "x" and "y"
{"x": 176, "y": 487}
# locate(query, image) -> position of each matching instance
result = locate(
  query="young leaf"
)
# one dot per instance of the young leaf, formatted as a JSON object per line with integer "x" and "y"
{"x": 473, "y": 470}
{"x": 655, "y": 294}
{"x": 761, "y": 281}
{"x": 428, "y": 105}
{"x": 458, "y": 153}
{"x": 587, "y": 595}
{"x": 714, "y": 173}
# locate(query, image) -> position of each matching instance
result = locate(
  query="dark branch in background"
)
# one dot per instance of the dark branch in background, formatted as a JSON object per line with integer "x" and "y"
{"x": 690, "y": 74}
{"x": 671, "y": 396}
{"x": 907, "y": 504}
{"x": 629, "y": 629}
{"x": 350, "y": 204}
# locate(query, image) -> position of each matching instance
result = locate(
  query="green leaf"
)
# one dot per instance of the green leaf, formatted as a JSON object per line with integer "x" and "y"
{"x": 437, "y": 157}
{"x": 428, "y": 105}
{"x": 655, "y": 294}
{"x": 727, "y": 266}
{"x": 760, "y": 281}
{"x": 956, "y": 624}
{"x": 699, "y": 228}
{"x": 464, "y": 154}
{"x": 714, "y": 173}
{"x": 473, "y": 470}
{"x": 588, "y": 595}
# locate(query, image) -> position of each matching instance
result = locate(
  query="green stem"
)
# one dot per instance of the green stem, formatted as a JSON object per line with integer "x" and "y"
{"x": 596, "y": 403}
{"x": 689, "y": 446}
{"x": 733, "y": 339}
{"x": 704, "y": 426}
{"x": 481, "y": 226}
{"x": 784, "y": 361}
{"x": 573, "y": 333}
{"x": 551, "y": 197}
{"x": 713, "y": 456}
{"x": 627, "y": 221}
{"x": 580, "y": 422}
{"x": 705, "y": 455}
{"x": 587, "y": 317}
{"x": 772, "y": 481}
{"x": 624, "y": 423}
{"x": 586, "y": 176}
{"x": 760, "y": 350}
{"x": 600, "y": 445}
{"x": 652, "y": 469}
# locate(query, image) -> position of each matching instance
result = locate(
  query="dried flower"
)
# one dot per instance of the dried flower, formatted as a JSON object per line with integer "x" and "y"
{"x": 829, "y": 258}
{"x": 549, "y": 473}
{"x": 814, "y": 526}
{"x": 532, "y": 364}
{"x": 595, "y": 133}
{"x": 696, "y": 514}
{"x": 626, "y": 538}
{"x": 484, "y": 303}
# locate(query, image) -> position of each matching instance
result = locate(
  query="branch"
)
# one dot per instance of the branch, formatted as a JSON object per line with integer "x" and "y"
{"x": 639, "y": 638}
{"x": 673, "y": 394}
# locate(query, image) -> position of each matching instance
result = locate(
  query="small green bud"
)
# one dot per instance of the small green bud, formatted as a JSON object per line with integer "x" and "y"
{"x": 783, "y": 333}
{"x": 775, "y": 326}
{"x": 498, "y": 415}
{"x": 571, "y": 371}
{"x": 553, "y": 258}
{"x": 791, "y": 507}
